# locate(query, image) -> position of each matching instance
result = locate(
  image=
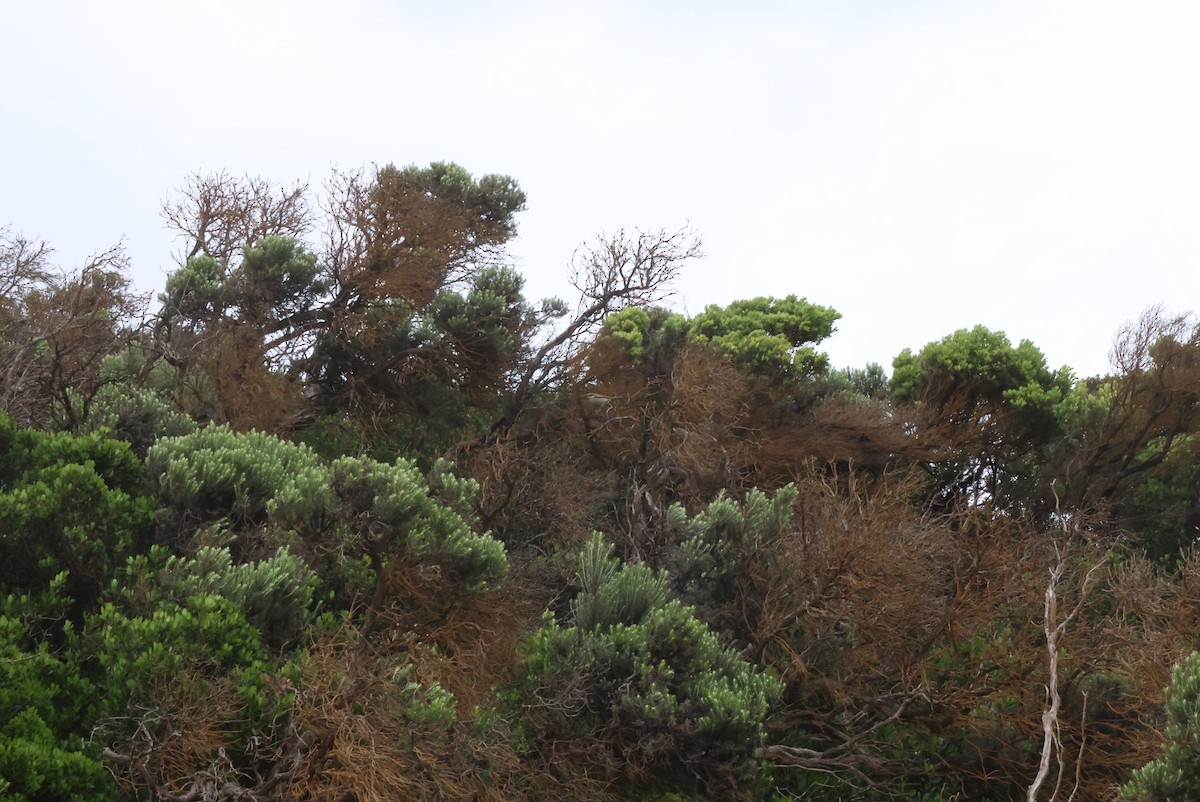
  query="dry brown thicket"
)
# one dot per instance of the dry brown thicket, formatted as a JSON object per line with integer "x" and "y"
{"x": 350, "y": 726}
{"x": 173, "y": 742}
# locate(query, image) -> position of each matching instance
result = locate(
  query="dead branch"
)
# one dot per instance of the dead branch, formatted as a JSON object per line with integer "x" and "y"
{"x": 1055, "y": 629}
{"x": 612, "y": 274}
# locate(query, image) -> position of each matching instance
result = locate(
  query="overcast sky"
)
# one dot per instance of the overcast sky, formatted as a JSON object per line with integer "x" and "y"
{"x": 919, "y": 166}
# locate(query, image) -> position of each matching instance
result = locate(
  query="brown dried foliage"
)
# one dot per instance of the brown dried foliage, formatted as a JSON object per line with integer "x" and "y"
{"x": 671, "y": 437}
{"x": 852, "y": 433}
{"x": 247, "y": 394}
{"x": 366, "y": 748}
{"x": 904, "y": 636}
{"x": 174, "y": 742}
{"x": 537, "y": 490}
{"x": 366, "y": 744}
{"x": 390, "y": 238}
{"x": 57, "y": 327}
{"x": 347, "y": 729}
{"x": 1151, "y": 408}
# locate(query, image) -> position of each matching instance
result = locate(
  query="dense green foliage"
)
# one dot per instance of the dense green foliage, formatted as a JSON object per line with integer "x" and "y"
{"x": 69, "y": 505}
{"x": 1003, "y": 397}
{"x": 44, "y": 710}
{"x": 768, "y": 337}
{"x": 983, "y": 363}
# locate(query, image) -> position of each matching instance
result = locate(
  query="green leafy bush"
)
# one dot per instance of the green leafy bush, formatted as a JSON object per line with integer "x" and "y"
{"x": 773, "y": 337}
{"x": 44, "y": 709}
{"x": 67, "y": 504}
{"x": 36, "y": 766}
{"x": 136, "y": 653}
{"x": 387, "y": 511}
{"x": 770, "y": 337}
{"x": 350, "y": 513}
{"x": 138, "y": 416}
{"x": 275, "y": 594}
{"x": 638, "y": 681}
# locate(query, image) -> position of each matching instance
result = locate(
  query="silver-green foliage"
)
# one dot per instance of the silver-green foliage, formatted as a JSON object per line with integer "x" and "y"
{"x": 1175, "y": 776}
{"x": 639, "y": 672}
{"x": 275, "y": 595}
{"x": 354, "y": 506}
{"x": 389, "y": 511}
{"x": 137, "y": 415}
{"x": 218, "y": 473}
{"x": 612, "y": 594}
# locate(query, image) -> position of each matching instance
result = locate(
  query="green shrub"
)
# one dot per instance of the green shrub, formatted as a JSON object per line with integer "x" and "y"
{"x": 35, "y": 766}
{"x": 639, "y": 678}
{"x": 208, "y": 634}
{"x": 275, "y": 594}
{"x": 351, "y": 515}
{"x": 137, "y": 415}
{"x": 216, "y": 473}
{"x": 69, "y": 504}
{"x": 44, "y": 710}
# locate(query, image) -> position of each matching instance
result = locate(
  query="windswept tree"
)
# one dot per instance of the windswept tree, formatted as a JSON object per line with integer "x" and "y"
{"x": 1129, "y": 447}
{"x": 653, "y": 407}
{"x": 530, "y": 461}
{"x": 988, "y": 407}
{"x": 286, "y": 332}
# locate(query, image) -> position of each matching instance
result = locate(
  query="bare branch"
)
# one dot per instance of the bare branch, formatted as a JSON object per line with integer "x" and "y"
{"x": 1055, "y": 629}
{"x": 218, "y": 214}
{"x": 612, "y": 274}
{"x": 23, "y": 266}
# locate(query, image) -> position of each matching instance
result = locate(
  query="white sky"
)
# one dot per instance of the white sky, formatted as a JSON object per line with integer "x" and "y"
{"x": 919, "y": 166}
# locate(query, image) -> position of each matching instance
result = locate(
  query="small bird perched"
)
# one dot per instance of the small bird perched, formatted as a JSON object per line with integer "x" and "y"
{"x": 597, "y": 401}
